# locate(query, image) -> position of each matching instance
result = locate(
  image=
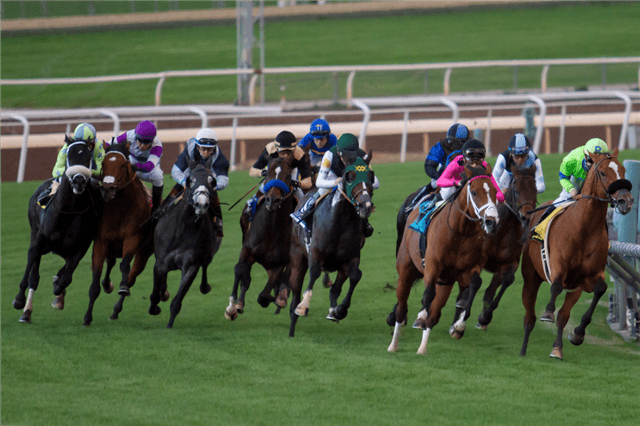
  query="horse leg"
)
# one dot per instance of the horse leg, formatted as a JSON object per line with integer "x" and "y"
{"x": 243, "y": 276}
{"x": 407, "y": 274}
{"x": 556, "y": 290}
{"x": 159, "y": 287}
{"x": 98, "y": 258}
{"x": 458, "y": 328}
{"x": 314, "y": 273}
{"x": 125, "y": 268}
{"x": 491, "y": 302}
{"x": 563, "y": 317}
{"x": 265, "y": 297}
{"x": 355, "y": 275}
{"x": 577, "y": 336}
{"x": 231, "y": 312}
{"x": 185, "y": 284}
{"x": 107, "y": 285}
{"x": 326, "y": 280}
{"x": 427, "y": 298}
{"x": 461, "y": 302}
{"x": 435, "y": 310}
{"x": 529, "y": 295}
{"x": 334, "y": 293}
{"x": 296, "y": 279}
{"x": 31, "y": 279}
{"x": 205, "y": 287}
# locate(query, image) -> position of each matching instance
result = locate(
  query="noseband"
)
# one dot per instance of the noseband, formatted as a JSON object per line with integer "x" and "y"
{"x": 512, "y": 200}
{"x": 613, "y": 187}
{"x": 117, "y": 186}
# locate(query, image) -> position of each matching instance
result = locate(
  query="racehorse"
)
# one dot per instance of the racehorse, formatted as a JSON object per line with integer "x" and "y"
{"x": 578, "y": 243}
{"x": 66, "y": 226}
{"x": 266, "y": 239}
{"x": 124, "y": 230}
{"x": 453, "y": 252}
{"x": 504, "y": 251}
{"x": 337, "y": 238}
{"x": 185, "y": 238}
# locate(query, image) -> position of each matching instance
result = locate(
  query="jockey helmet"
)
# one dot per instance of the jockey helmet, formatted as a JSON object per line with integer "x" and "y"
{"x": 319, "y": 129}
{"x": 206, "y": 138}
{"x": 473, "y": 149}
{"x": 519, "y": 144}
{"x": 85, "y": 132}
{"x": 145, "y": 132}
{"x": 596, "y": 146}
{"x": 347, "y": 142}
{"x": 285, "y": 140}
{"x": 456, "y": 136}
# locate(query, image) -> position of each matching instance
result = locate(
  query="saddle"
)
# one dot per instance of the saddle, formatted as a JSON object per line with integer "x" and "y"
{"x": 427, "y": 211}
{"x": 540, "y": 233}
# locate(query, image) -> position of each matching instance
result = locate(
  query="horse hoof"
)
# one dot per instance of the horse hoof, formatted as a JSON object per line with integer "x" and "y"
{"x": 556, "y": 353}
{"x": 264, "y": 301}
{"x": 302, "y": 311}
{"x": 204, "y": 289}
{"x": 124, "y": 291}
{"x": 19, "y": 304}
{"x": 481, "y": 327}
{"x": 281, "y": 299}
{"x": 340, "y": 312}
{"x": 57, "y": 290}
{"x": 575, "y": 338}
{"x": 240, "y": 307}
{"x": 331, "y": 316}
{"x": 455, "y": 333}
{"x": 230, "y": 316}
{"x": 113, "y": 316}
{"x": 165, "y": 296}
{"x": 420, "y": 324}
{"x": 548, "y": 317}
{"x": 155, "y": 310}
{"x": 58, "y": 303}
{"x": 26, "y": 317}
{"x": 108, "y": 289}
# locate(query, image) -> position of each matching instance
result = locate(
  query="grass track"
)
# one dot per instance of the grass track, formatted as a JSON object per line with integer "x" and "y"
{"x": 206, "y": 370}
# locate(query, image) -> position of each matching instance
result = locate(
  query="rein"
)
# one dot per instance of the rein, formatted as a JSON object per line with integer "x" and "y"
{"x": 477, "y": 210}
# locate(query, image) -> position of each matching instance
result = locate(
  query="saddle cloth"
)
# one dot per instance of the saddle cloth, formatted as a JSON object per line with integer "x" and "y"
{"x": 538, "y": 233}
{"x": 427, "y": 212}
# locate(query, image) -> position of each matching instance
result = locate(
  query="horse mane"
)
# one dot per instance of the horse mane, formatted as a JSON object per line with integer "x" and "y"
{"x": 122, "y": 148}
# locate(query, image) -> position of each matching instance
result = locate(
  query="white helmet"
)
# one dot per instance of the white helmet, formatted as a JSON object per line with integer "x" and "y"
{"x": 206, "y": 137}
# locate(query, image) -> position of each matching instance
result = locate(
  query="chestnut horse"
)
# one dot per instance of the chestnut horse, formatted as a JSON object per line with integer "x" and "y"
{"x": 266, "y": 239}
{"x": 337, "y": 238}
{"x": 65, "y": 226}
{"x": 454, "y": 252}
{"x": 124, "y": 230}
{"x": 578, "y": 245}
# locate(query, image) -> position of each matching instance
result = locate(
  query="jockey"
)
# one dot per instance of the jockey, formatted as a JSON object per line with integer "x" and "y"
{"x": 518, "y": 153}
{"x": 317, "y": 142}
{"x": 206, "y": 142}
{"x": 284, "y": 146}
{"x": 473, "y": 154}
{"x": 145, "y": 153}
{"x": 330, "y": 175}
{"x": 440, "y": 155}
{"x": 84, "y": 132}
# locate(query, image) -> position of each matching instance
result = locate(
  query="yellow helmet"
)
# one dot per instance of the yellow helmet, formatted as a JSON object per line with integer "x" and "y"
{"x": 596, "y": 146}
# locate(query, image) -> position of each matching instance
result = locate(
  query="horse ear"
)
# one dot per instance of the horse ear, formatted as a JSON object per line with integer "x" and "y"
{"x": 207, "y": 163}
{"x": 615, "y": 152}
{"x": 367, "y": 158}
{"x": 467, "y": 171}
{"x": 191, "y": 163}
{"x": 67, "y": 139}
{"x": 489, "y": 169}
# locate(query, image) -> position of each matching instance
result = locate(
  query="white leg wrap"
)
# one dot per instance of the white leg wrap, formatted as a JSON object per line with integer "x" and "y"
{"x": 393, "y": 347}
{"x": 422, "y": 350}
{"x": 29, "y": 304}
{"x": 232, "y": 306}
{"x": 460, "y": 324}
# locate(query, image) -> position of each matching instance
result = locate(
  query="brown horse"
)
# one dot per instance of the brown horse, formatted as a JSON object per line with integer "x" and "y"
{"x": 578, "y": 245}
{"x": 266, "y": 239}
{"x": 454, "y": 252}
{"x": 121, "y": 233}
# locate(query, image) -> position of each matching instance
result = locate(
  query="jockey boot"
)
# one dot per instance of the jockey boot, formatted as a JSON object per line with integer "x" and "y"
{"x": 156, "y": 197}
{"x": 252, "y": 205}
{"x": 305, "y": 211}
{"x": 547, "y": 212}
{"x": 44, "y": 198}
{"x": 367, "y": 229}
{"x": 424, "y": 191}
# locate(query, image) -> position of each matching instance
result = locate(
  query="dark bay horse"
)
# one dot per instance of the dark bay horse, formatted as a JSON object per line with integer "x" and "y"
{"x": 65, "y": 227}
{"x": 578, "y": 243}
{"x": 124, "y": 230}
{"x": 505, "y": 249}
{"x": 266, "y": 239}
{"x": 337, "y": 239}
{"x": 185, "y": 238}
{"x": 454, "y": 252}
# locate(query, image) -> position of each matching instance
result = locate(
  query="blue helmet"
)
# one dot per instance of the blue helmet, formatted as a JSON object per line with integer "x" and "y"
{"x": 519, "y": 144}
{"x": 319, "y": 129}
{"x": 458, "y": 131}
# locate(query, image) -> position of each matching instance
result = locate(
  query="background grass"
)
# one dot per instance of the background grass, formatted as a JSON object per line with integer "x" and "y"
{"x": 554, "y": 30}
{"x": 207, "y": 370}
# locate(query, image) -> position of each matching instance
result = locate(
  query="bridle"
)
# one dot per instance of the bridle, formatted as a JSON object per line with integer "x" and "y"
{"x": 512, "y": 200}
{"x": 470, "y": 200}
{"x": 280, "y": 184}
{"x": 613, "y": 187}
{"x": 118, "y": 187}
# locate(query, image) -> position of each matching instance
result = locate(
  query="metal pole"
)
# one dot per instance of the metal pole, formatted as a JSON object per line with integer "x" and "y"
{"x": 403, "y": 144}
{"x": 232, "y": 154}
{"x": 23, "y": 151}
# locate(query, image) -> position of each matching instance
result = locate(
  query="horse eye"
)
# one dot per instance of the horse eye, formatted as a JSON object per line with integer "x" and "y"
{"x": 474, "y": 193}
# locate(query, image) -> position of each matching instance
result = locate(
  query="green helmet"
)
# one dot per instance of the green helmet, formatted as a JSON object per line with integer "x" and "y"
{"x": 596, "y": 146}
{"x": 348, "y": 142}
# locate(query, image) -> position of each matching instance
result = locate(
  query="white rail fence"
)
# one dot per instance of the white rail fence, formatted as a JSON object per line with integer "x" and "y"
{"x": 448, "y": 67}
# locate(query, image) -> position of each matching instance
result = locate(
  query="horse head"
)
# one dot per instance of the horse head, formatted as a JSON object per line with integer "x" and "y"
{"x": 200, "y": 186}
{"x": 116, "y": 170}
{"x": 277, "y": 185}
{"x": 481, "y": 197}
{"x": 79, "y": 161}
{"x": 357, "y": 185}
{"x": 522, "y": 195}
{"x": 605, "y": 181}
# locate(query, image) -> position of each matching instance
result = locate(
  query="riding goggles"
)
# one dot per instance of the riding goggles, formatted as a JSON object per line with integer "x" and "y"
{"x": 474, "y": 153}
{"x": 519, "y": 151}
{"x": 317, "y": 134}
{"x": 206, "y": 143}
{"x": 144, "y": 141}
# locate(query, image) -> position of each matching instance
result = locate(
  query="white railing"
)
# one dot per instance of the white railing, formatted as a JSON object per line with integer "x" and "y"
{"x": 351, "y": 69}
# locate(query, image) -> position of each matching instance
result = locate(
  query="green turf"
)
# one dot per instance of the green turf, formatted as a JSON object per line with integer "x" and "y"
{"x": 207, "y": 370}
{"x": 552, "y": 31}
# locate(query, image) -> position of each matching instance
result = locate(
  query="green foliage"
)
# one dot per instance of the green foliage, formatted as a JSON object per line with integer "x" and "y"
{"x": 553, "y": 30}
{"x": 207, "y": 370}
